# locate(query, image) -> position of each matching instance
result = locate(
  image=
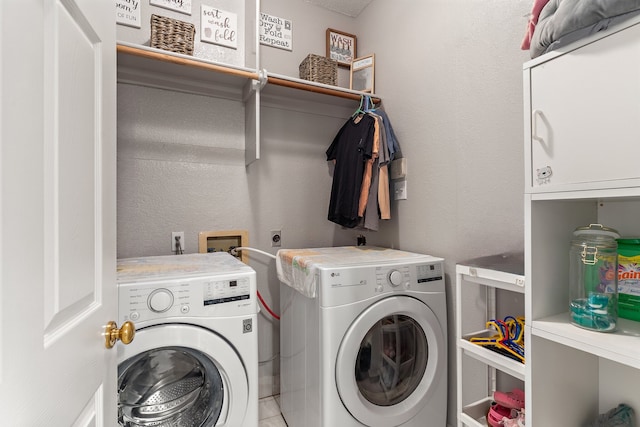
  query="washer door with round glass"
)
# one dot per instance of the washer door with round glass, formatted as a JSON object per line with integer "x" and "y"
{"x": 188, "y": 380}
{"x": 387, "y": 361}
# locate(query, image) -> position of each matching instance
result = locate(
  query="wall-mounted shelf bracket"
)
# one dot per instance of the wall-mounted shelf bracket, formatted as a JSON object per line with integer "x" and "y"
{"x": 262, "y": 79}
{"x": 256, "y": 85}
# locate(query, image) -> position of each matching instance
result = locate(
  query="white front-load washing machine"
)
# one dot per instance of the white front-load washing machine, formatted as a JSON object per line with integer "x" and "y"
{"x": 362, "y": 338}
{"x": 194, "y": 358}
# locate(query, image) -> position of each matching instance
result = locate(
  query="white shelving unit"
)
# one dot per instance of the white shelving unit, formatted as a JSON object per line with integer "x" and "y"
{"x": 251, "y": 86}
{"x": 481, "y": 277}
{"x": 576, "y": 135}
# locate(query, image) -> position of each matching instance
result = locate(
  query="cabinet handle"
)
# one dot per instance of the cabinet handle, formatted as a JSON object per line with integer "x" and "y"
{"x": 534, "y": 125}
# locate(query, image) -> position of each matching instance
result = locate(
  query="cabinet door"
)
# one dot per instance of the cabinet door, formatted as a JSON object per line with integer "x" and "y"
{"x": 585, "y": 114}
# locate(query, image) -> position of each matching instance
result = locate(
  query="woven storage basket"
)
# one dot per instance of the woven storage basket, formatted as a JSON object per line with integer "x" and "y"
{"x": 319, "y": 69}
{"x": 171, "y": 34}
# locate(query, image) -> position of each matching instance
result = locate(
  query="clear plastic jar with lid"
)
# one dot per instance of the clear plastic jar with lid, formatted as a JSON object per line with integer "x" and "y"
{"x": 593, "y": 277}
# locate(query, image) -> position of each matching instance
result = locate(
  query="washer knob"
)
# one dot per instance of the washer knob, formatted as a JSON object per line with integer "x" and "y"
{"x": 395, "y": 278}
{"x": 160, "y": 300}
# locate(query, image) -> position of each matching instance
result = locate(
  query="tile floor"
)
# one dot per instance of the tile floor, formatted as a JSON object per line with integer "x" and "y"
{"x": 269, "y": 412}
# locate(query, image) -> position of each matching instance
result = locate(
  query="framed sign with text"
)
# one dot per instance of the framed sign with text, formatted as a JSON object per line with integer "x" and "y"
{"x": 341, "y": 47}
{"x": 276, "y": 32}
{"x": 362, "y": 74}
{"x": 182, "y": 6}
{"x": 128, "y": 13}
{"x": 218, "y": 27}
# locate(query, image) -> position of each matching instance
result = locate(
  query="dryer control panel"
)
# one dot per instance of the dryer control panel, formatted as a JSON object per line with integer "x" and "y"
{"x": 341, "y": 285}
{"x": 408, "y": 275}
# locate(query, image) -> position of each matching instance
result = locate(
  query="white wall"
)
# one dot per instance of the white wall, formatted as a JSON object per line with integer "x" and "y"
{"x": 450, "y": 74}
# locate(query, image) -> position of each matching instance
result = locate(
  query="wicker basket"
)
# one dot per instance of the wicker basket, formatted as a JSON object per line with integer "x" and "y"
{"x": 171, "y": 34}
{"x": 319, "y": 69}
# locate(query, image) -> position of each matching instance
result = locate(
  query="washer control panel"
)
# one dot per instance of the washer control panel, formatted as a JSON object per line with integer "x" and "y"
{"x": 160, "y": 300}
{"x": 429, "y": 272}
{"x": 225, "y": 291}
{"x": 191, "y": 297}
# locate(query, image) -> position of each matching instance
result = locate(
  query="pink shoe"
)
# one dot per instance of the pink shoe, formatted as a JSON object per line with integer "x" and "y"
{"x": 513, "y": 399}
{"x": 496, "y": 414}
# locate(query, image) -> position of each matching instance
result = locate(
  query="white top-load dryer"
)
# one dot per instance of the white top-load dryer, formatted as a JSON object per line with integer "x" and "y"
{"x": 194, "y": 358}
{"x": 362, "y": 338}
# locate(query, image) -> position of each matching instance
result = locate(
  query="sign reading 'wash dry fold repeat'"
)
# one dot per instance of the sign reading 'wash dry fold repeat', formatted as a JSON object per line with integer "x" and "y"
{"x": 276, "y": 32}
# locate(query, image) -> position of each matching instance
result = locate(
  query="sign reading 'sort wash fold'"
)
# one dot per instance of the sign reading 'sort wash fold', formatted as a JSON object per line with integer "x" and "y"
{"x": 218, "y": 27}
{"x": 276, "y": 32}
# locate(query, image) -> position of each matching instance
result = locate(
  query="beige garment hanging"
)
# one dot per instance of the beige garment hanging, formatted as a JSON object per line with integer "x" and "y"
{"x": 384, "y": 203}
{"x": 366, "y": 178}
{"x": 382, "y": 193}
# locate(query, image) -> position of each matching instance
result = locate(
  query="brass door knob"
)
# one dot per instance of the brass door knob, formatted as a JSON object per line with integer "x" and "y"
{"x": 125, "y": 334}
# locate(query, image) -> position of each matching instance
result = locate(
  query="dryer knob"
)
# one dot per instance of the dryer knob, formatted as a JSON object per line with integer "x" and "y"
{"x": 395, "y": 278}
{"x": 160, "y": 300}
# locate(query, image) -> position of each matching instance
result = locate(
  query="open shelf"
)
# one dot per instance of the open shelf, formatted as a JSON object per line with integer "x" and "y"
{"x": 149, "y": 66}
{"x": 156, "y": 68}
{"x": 491, "y": 358}
{"x": 511, "y": 282}
{"x": 620, "y": 346}
{"x": 146, "y": 66}
{"x": 504, "y": 271}
{"x": 305, "y": 85}
{"x": 475, "y": 414}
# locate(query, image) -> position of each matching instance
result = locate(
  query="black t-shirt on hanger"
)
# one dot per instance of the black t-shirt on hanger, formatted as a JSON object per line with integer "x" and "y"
{"x": 350, "y": 148}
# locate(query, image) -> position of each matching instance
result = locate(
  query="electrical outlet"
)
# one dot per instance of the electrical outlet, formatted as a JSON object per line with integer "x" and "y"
{"x": 400, "y": 190}
{"x": 180, "y": 236}
{"x": 276, "y": 238}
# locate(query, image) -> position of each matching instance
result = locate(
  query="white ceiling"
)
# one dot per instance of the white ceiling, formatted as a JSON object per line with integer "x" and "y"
{"x": 347, "y": 7}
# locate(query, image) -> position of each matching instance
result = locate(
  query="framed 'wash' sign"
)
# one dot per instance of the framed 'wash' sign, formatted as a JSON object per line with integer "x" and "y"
{"x": 341, "y": 47}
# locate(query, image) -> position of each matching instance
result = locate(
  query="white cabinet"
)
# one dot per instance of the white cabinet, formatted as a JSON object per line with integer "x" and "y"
{"x": 477, "y": 282}
{"x": 584, "y": 114}
{"x": 586, "y": 102}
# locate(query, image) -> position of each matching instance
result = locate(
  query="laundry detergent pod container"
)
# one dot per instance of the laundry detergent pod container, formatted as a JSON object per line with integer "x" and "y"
{"x": 629, "y": 278}
{"x": 593, "y": 277}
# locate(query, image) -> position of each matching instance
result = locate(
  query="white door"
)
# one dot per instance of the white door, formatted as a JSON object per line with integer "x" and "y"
{"x": 57, "y": 217}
